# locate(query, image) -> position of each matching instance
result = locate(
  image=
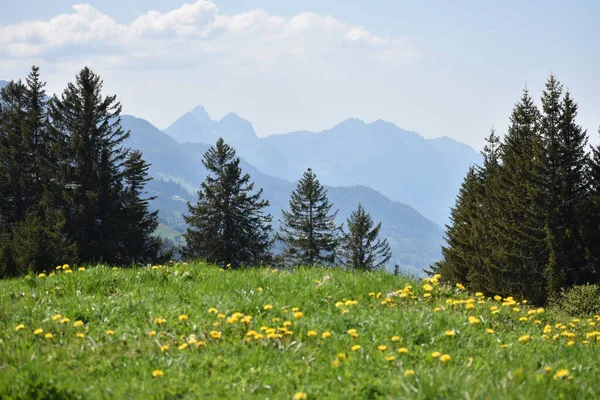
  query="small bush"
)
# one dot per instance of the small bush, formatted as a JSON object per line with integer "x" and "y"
{"x": 580, "y": 301}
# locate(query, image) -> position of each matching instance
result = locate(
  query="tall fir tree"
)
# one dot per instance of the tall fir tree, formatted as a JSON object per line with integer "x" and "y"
{"x": 228, "y": 225}
{"x": 308, "y": 230}
{"x": 139, "y": 244}
{"x": 89, "y": 139}
{"x": 592, "y": 218}
{"x": 361, "y": 247}
{"x": 519, "y": 254}
{"x": 566, "y": 164}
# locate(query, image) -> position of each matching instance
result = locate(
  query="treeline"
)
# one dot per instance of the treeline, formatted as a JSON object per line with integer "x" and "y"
{"x": 227, "y": 225}
{"x": 70, "y": 190}
{"x": 527, "y": 222}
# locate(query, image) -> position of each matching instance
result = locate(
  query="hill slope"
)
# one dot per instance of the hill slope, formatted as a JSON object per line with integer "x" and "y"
{"x": 180, "y": 324}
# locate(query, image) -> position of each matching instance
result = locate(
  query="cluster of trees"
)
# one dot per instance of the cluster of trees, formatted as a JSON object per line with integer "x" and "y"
{"x": 70, "y": 190}
{"x": 527, "y": 222}
{"x": 228, "y": 225}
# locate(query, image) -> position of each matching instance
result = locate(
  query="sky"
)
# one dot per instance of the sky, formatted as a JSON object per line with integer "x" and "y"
{"x": 439, "y": 68}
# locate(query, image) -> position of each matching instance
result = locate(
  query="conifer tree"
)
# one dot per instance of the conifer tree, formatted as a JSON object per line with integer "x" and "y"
{"x": 90, "y": 151}
{"x": 228, "y": 226}
{"x": 308, "y": 230}
{"x": 519, "y": 255}
{"x": 566, "y": 186}
{"x": 592, "y": 217}
{"x": 138, "y": 241}
{"x": 361, "y": 248}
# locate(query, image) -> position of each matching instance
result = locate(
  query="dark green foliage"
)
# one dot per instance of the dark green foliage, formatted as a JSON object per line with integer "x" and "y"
{"x": 578, "y": 301}
{"x": 361, "y": 248}
{"x": 138, "y": 224}
{"x": 227, "y": 226}
{"x": 460, "y": 255}
{"x": 69, "y": 190}
{"x": 308, "y": 230}
{"x": 88, "y": 128}
{"x": 526, "y": 223}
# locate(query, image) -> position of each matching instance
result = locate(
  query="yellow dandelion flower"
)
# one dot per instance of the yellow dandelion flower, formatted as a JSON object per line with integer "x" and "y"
{"x": 341, "y": 356}
{"x": 164, "y": 348}
{"x": 409, "y": 372}
{"x": 390, "y": 358}
{"x": 382, "y": 347}
{"x": 221, "y": 316}
{"x": 42, "y": 275}
{"x": 561, "y": 373}
{"x": 215, "y": 334}
{"x": 200, "y": 343}
{"x": 212, "y": 310}
{"x": 336, "y": 363}
{"x": 489, "y": 330}
{"x": 19, "y": 327}
{"x": 78, "y": 324}
{"x": 38, "y": 331}
{"x": 395, "y": 338}
{"x": 56, "y": 317}
{"x": 427, "y": 287}
{"x": 450, "y": 333}
{"x": 300, "y": 396}
{"x": 524, "y": 339}
{"x": 48, "y": 336}
{"x": 312, "y": 333}
{"x": 437, "y": 309}
{"x": 287, "y": 323}
{"x": 267, "y": 307}
{"x": 110, "y": 332}
{"x": 298, "y": 314}
{"x": 157, "y": 373}
{"x": 497, "y": 298}
{"x": 64, "y": 320}
{"x": 152, "y": 333}
{"x": 58, "y": 267}
{"x": 183, "y": 346}
{"x": 435, "y": 354}
{"x": 473, "y": 320}
{"x": 183, "y": 317}
{"x": 402, "y": 350}
{"x": 80, "y": 335}
{"x": 81, "y": 269}
{"x": 523, "y": 319}
{"x": 356, "y": 347}
{"x": 570, "y": 343}
{"x": 445, "y": 358}
{"x": 326, "y": 335}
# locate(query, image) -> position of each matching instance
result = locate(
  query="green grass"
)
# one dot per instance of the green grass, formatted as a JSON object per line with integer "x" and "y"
{"x": 128, "y": 302}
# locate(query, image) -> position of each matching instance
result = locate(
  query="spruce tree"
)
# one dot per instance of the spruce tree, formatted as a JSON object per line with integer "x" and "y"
{"x": 520, "y": 254}
{"x": 139, "y": 244}
{"x": 566, "y": 186}
{"x": 361, "y": 248}
{"x": 592, "y": 217}
{"x": 90, "y": 152}
{"x": 228, "y": 226}
{"x": 308, "y": 230}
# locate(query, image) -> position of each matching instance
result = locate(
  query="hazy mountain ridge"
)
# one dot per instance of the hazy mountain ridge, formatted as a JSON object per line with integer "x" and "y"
{"x": 401, "y": 164}
{"x": 415, "y": 240}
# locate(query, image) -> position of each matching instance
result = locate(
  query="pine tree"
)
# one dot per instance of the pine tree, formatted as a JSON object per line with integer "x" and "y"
{"x": 460, "y": 256}
{"x": 361, "y": 248}
{"x": 592, "y": 217}
{"x": 90, "y": 152}
{"x": 227, "y": 226}
{"x": 519, "y": 254}
{"x": 308, "y": 230}
{"x": 566, "y": 186}
{"x": 138, "y": 241}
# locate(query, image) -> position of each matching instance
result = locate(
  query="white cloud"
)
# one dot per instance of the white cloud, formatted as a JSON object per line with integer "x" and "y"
{"x": 196, "y": 32}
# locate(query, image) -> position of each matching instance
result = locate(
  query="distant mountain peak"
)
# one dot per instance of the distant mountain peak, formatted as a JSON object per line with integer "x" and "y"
{"x": 350, "y": 123}
{"x": 200, "y": 114}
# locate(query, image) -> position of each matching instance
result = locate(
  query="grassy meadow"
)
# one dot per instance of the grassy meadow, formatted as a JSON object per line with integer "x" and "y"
{"x": 196, "y": 331}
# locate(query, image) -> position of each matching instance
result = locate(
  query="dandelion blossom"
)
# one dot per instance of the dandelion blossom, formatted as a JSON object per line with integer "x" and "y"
{"x": 390, "y": 358}
{"x": 445, "y": 358}
{"x": 56, "y": 317}
{"x": 212, "y": 310}
{"x": 402, "y": 350}
{"x": 300, "y": 396}
{"x": 183, "y": 317}
{"x": 450, "y": 333}
{"x": 435, "y": 354}
{"x": 19, "y": 327}
{"x": 110, "y": 332}
{"x": 312, "y": 333}
{"x": 157, "y": 373}
{"x": 78, "y": 324}
{"x": 489, "y": 330}
{"x": 395, "y": 338}
{"x": 80, "y": 335}
{"x": 38, "y": 331}
{"x": 524, "y": 339}
{"x": 409, "y": 372}
{"x": 298, "y": 314}
{"x": 561, "y": 373}
{"x": 326, "y": 335}
{"x": 356, "y": 347}
{"x": 48, "y": 336}
{"x": 474, "y": 320}
{"x": 382, "y": 347}
{"x": 215, "y": 334}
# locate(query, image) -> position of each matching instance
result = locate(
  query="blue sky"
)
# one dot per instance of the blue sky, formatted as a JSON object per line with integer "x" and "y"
{"x": 435, "y": 67}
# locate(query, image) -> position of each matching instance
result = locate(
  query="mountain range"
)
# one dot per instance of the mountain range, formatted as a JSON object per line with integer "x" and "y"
{"x": 404, "y": 166}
